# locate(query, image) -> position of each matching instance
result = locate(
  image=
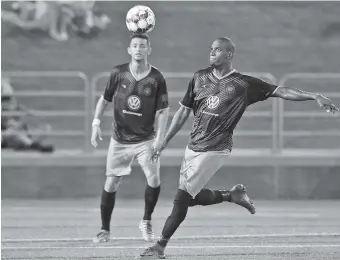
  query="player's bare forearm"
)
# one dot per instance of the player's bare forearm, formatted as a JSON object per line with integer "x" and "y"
{"x": 294, "y": 94}
{"x": 300, "y": 95}
{"x": 162, "y": 122}
{"x": 100, "y": 107}
{"x": 177, "y": 122}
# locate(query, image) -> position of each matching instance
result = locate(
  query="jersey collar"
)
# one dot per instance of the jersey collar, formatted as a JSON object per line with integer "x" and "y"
{"x": 144, "y": 75}
{"x": 226, "y": 75}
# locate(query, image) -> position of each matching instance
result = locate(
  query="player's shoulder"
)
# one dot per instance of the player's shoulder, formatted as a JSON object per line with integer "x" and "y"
{"x": 120, "y": 68}
{"x": 202, "y": 72}
{"x": 156, "y": 73}
{"x": 247, "y": 78}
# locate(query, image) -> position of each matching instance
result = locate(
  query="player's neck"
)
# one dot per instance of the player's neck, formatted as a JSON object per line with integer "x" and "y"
{"x": 223, "y": 71}
{"x": 139, "y": 67}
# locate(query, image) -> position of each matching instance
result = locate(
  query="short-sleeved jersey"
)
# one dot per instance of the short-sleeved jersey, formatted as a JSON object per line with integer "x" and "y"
{"x": 218, "y": 104}
{"x": 135, "y": 103}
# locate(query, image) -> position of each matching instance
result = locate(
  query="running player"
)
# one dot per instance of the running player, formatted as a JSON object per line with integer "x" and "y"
{"x": 218, "y": 97}
{"x": 139, "y": 95}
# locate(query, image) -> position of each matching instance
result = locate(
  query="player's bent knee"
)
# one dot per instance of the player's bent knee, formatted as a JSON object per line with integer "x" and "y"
{"x": 154, "y": 181}
{"x": 112, "y": 183}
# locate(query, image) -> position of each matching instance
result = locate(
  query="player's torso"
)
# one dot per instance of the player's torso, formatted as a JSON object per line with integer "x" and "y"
{"x": 218, "y": 106}
{"x": 136, "y": 97}
{"x": 219, "y": 98}
{"x": 135, "y": 104}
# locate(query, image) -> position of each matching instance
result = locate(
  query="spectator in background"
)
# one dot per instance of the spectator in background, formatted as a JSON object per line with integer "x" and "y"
{"x": 87, "y": 21}
{"x": 57, "y": 18}
{"x": 14, "y": 129}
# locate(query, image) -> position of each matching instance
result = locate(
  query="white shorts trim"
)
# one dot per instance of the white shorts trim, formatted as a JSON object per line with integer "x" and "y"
{"x": 184, "y": 106}
{"x": 275, "y": 90}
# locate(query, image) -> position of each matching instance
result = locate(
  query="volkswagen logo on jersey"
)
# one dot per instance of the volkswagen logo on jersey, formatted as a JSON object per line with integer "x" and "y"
{"x": 213, "y": 102}
{"x": 134, "y": 102}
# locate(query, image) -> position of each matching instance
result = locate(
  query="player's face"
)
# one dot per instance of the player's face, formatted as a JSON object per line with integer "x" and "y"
{"x": 219, "y": 54}
{"x": 139, "y": 49}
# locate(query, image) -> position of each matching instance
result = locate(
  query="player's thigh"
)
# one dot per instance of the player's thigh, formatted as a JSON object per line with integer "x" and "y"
{"x": 150, "y": 169}
{"x": 119, "y": 159}
{"x": 198, "y": 168}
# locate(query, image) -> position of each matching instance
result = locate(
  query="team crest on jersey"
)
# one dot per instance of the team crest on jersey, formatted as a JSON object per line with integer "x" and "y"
{"x": 230, "y": 89}
{"x": 134, "y": 102}
{"x": 213, "y": 102}
{"x": 147, "y": 91}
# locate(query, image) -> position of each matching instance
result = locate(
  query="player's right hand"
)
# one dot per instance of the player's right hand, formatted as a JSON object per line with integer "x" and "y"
{"x": 156, "y": 153}
{"x": 96, "y": 132}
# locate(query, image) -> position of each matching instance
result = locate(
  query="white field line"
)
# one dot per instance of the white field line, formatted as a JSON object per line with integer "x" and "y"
{"x": 177, "y": 247}
{"x": 174, "y": 238}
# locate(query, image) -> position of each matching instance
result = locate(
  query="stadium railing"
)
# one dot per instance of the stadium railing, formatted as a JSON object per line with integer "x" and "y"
{"x": 303, "y": 114}
{"x": 275, "y": 156}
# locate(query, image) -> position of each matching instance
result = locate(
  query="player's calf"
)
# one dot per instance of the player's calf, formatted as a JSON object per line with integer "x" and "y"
{"x": 107, "y": 204}
{"x": 237, "y": 195}
{"x": 151, "y": 197}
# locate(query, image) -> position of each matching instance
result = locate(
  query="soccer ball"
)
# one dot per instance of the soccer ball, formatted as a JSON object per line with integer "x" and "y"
{"x": 140, "y": 19}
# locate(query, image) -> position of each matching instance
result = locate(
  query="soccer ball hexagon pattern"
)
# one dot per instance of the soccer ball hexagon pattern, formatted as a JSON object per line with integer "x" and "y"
{"x": 140, "y": 19}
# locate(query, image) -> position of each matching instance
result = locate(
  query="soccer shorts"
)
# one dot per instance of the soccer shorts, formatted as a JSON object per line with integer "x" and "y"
{"x": 198, "y": 168}
{"x": 120, "y": 158}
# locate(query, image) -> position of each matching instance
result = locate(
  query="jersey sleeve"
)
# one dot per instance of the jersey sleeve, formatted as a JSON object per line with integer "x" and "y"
{"x": 111, "y": 86}
{"x": 162, "y": 95}
{"x": 259, "y": 90}
{"x": 188, "y": 99}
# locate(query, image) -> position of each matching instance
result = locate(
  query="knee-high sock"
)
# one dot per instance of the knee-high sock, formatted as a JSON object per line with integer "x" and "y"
{"x": 106, "y": 207}
{"x": 207, "y": 197}
{"x": 178, "y": 214}
{"x": 151, "y": 198}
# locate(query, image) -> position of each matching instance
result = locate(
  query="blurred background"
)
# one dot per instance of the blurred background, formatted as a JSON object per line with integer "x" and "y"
{"x": 56, "y": 63}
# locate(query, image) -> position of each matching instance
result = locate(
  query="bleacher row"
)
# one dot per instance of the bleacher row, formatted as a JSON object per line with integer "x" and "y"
{"x": 69, "y": 108}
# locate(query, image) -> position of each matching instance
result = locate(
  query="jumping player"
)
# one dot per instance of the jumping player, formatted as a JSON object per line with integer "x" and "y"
{"x": 218, "y": 97}
{"x": 139, "y": 95}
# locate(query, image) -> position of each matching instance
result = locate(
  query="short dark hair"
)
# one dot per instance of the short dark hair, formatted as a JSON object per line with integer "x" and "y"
{"x": 231, "y": 45}
{"x": 141, "y": 36}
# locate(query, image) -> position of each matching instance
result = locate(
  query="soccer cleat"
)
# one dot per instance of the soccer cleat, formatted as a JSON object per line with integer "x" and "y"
{"x": 238, "y": 195}
{"x": 102, "y": 237}
{"x": 146, "y": 228}
{"x": 154, "y": 252}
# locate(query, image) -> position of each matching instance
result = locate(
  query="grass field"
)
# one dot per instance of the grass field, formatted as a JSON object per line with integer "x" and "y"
{"x": 284, "y": 230}
{"x": 273, "y": 37}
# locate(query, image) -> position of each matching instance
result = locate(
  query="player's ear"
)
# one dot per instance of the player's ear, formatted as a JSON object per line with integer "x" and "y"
{"x": 230, "y": 55}
{"x": 129, "y": 50}
{"x": 149, "y": 50}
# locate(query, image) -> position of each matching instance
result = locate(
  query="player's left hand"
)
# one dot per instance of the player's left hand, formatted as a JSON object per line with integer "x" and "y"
{"x": 326, "y": 103}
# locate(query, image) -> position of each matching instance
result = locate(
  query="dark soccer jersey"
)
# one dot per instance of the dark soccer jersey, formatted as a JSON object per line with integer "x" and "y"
{"x": 218, "y": 104}
{"x": 135, "y": 103}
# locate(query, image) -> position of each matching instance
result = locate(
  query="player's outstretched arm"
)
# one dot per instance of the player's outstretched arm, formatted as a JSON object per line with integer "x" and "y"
{"x": 96, "y": 131}
{"x": 300, "y": 95}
